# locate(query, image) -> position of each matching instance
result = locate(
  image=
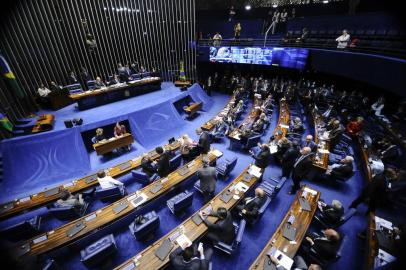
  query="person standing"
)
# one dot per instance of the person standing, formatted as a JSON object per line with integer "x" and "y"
{"x": 162, "y": 166}
{"x": 301, "y": 168}
{"x": 119, "y": 130}
{"x": 237, "y": 31}
{"x": 343, "y": 40}
{"x": 217, "y": 38}
{"x": 231, "y": 13}
{"x": 208, "y": 179}
{"x": 204, "y": 141}
{"x": 263, "y": 157}
{"x": 289, "y": 158}
{"x": 223, "y": 230}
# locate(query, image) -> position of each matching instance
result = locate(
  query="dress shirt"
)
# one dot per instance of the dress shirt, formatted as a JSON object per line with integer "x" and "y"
{"x": 108, "y": 182}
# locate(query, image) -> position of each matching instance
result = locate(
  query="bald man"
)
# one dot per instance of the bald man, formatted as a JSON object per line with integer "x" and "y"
{"x": 325, "y": 245}
{"x": 309, "y": 143}
{"x": 301, "y": 168}
{"x": 249, "y": 207}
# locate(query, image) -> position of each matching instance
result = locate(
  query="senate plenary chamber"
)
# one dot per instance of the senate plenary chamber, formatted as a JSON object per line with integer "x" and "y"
{"x": 202, "y": 135}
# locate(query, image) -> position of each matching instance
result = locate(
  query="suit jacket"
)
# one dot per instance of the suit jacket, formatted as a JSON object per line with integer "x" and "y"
{"x": 162, "y": 166}
{"x": 288, "y": 159}
{"x": 301, "y": 168}
{"x": 312, "y": 145}
{"x": 331, "y": 214}
{"x": 344, "y": 170}
{"x": 207, "y": 176}
{"x": 147, "y": 167}
{"x": 223, "y": 228}
{"x": 179, "y": 263}
{"x": 262, "y": 159}
{"x": 204, "y": 142}
{"x": 325, "y": 248}
{"x": 252, "y": 205}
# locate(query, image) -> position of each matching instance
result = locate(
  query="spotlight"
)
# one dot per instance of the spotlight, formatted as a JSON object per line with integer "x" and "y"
{"x": 247, "y": 7}
{"x": 275, "y": 5}
{"x": 325, "y": 1}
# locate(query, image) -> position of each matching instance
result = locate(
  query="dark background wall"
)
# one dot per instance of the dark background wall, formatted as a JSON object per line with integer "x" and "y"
{"x": 43, "y": 40}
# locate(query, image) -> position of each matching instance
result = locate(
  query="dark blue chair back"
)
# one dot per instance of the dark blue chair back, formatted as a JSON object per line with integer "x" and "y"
{"x": 252, "y": 141}
{"x": 142, "y": 177}
{"x": 141, "y": 231}
{"x": 68, "y": 212}
{"x": 180, "y": 202}
{"x": 175, "y": 162}
{"x": 90, "y": 84}
{"x": 112, "y": 193}
{"x": 230, "y": 249}
{"x": 98, "y": 251}
{"x": 22, "y": 230}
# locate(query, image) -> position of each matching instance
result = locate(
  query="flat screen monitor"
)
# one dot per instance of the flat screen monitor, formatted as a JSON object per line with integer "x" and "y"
{"x": 275, "y": 56}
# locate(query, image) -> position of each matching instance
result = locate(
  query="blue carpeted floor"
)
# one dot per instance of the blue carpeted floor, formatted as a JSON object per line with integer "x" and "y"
{"x": 254, "y": 238}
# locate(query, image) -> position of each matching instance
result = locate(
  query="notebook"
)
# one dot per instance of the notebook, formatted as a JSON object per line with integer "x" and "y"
{"x": 120, "y": 207}
{"x": 304, "y": 204}
{"x": 197, "y": 219}
{"x": 163, "y": 250}
{"x": 75, "y": 229}
{"x": 91, "y": 179}
{"x": 51, "y": 192}
{"x": 125, "y": 166}
{"x": 289, "y": 232}
{"x": 156, "y": 188}
{"x": 226, "y": 196}
{"x": 183, "y": 171}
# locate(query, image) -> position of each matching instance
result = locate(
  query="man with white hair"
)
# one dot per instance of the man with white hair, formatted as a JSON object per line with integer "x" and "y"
{"x": 309, "y": 143}
{"x": 301, "y": 168}
{"x": 343, "y": 40}
{"x": 331, "y": 213}
{"x": 343, "y": 169}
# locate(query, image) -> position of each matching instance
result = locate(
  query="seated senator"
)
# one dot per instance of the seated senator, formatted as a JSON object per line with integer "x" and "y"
{"x": 223, "y": 230}
{"x": 106, "y": 181}
{"x": 188, "y": 148}
{"x": 343, "y": 169}
{"x": 191, "y": 257}
{"x": 296, "y": 125}
{"x": 354, "y": 127}
{"x": 99, "y": 135}
{"x": 119, "y": 130}
{"x": 249, "y": 207}
{"x": 331, "y": 213}
{"x": 325, "y": 245}
{"x": 67, "y": 199}
{"x": 99, "y": 83}
{"x": 147, "y": 165}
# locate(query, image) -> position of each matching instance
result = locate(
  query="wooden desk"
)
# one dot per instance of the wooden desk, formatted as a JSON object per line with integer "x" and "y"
{"x": 399, "y": 137}
{"x": 147, "y": 260}
{"x": 113, "y": 143}
{"x": 301, "y": 223}
{"x": 59, "y": 99}
{"x": 106, "y": 215}
{"x": 94, "y": 98}
{"x": 183, "y": 83}
{"x": 194, "y": 108}
{"x": 321, "y": 159}
{"x": 44, "y": 122}
{"x": 282, "y": 127}
{"x": 13, "y": 208}
{"x": 248, "y": 121}
{"x": 209, "y": 125}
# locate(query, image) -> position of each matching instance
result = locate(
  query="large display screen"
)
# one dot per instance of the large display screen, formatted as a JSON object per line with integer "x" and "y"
{"x": 282, "y": 57}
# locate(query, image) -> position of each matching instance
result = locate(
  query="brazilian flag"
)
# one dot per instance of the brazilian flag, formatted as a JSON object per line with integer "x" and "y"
{"x": 5, "y": 123}
{"x": 182, "y": 75}
{"x": 10, "y": 79}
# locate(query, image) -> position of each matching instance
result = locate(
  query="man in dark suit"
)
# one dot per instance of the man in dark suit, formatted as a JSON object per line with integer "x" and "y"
{"x": 343, "y": 169}
{"x": 191, "y": 258}
{"x": 301, "y": 168}
{"x": 263, "y": 157}
{"x": 204, "y": 141}
{"x": 331, "y": 213}
{"x": 162, "y": 166}
{"x": 335, "y": 133}
{"x": 326, "y": 245}
{"x": 249, "y": 207}
{"x": 207, "y": 177}
{"x": 289, "y": 158}
{"x": 146, "y": 165}
{"x": 373, "y": 193}
{"x": 309, "y": 143}
{"x": 223, "y": 230}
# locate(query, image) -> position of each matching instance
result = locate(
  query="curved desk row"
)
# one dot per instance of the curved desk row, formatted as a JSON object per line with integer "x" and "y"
{"x": 148, "y": 260}
{"x": 301, "y": 222}
{"x": 322, "y": 156}
{"x": 209, "y": 125}
{"x": 17, "y": 206}
{"x": 78, "y": 228}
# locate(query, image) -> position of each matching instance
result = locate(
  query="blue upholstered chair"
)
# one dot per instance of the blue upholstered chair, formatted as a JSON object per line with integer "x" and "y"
{"x": 68, "y": 212}
{"x": 317, "y": 259}
{"x": 197, "y": 186}
{"x": 91, "y": 84}
{"x": 175, "y": 162}
{"x": 225, "y": 167}
{"x": 151, "y": 224}
{"x": 252, "y": 141}
{"x": 319, "y": 217}
{"x": 272, "y": 186}
{"x": 111, "y": 194}
{"x": 50, "y": 264}
{"x": 180, "y": 202}
{"x": 261, "y": 210}
{"x": 22, "y": 230}
{"x": 143, "y": 178}
{"x": 230, "y": 249}
{"x": 73, "y": 88}
{"x": 98, "y": 251}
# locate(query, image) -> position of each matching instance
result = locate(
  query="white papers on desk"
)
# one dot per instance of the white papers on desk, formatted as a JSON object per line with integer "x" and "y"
{"x": 217, "y": 153}
{"x": 284, "y": 260}
{"x": 111, "y": 139}
{"x": 25, "y": 199}
{"x": 311, "y": 191}
{"x": 284, "y": 126}
{"x": 383, "y": 258}
{"x": 380, "y": 222}
{"x": 255, "y": 171}
{"x": 240, "y": 186}
{"x": 183, "y": 241}
{"x": 323, "y": 151}
{"x": 273, "y": 148}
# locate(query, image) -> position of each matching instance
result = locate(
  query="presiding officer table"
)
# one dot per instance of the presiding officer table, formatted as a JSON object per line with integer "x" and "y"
{"x": 113, "y": 143}
{"x": 94, "y": 98}
{"x": 17, "y": 206}
{"x": 301, "y": 223}
{"x": 147, "y": 260}
{"x": 74, "y": 230}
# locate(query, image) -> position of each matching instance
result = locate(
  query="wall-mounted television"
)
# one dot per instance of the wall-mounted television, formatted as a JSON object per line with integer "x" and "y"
{"x": 275, "y": 56}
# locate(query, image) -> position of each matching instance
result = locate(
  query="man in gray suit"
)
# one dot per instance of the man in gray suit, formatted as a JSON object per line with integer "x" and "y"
{"x": 208, "y": 179}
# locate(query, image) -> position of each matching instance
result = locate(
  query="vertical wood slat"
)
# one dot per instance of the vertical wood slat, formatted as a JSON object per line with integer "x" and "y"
{"x": 43, "y": 40}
